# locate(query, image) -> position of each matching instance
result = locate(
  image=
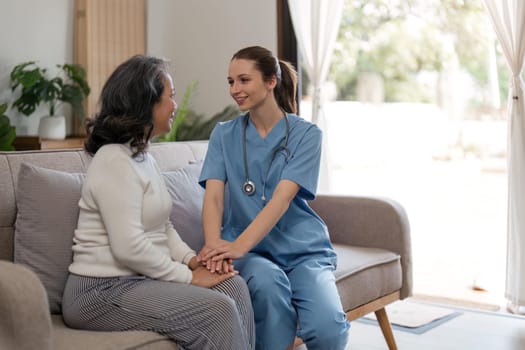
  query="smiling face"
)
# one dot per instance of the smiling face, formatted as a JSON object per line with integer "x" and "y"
{"x": 164, "y": 109}
{"x": 247, "y": 86}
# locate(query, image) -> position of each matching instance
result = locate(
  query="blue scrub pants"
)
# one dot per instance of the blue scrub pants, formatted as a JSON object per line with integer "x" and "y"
{"x": 302, "y": 301}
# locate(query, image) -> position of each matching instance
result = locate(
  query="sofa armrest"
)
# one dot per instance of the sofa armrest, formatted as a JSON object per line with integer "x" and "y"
{"x": 369, "y": 222}
{"x": 25, "y": 322}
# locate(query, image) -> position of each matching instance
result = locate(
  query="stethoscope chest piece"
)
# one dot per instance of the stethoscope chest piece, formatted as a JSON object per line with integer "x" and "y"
{"x": 248, "y": 187}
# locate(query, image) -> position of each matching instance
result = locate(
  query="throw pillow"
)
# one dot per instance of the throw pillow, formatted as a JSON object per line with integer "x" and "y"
{"x": 47, "y": 216}
{"x": 187, "y": 196}
{"x": 46, "y": 220}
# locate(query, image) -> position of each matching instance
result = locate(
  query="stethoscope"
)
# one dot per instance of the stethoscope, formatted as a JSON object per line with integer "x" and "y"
{"x": 248, "y": 187}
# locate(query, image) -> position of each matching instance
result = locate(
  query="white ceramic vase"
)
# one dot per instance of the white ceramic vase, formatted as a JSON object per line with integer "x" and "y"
{"x": 52, "y": 127}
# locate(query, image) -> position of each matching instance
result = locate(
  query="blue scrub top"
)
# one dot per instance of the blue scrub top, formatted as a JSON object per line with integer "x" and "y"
{"x": 300, "y": 233}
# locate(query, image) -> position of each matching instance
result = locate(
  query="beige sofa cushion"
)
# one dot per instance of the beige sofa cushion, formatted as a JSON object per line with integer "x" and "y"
{"x": 187, "y": 196}
{"x": 47, "y": 216}
{"x": 77, "y": 339}
{"x": 364, "y": 274}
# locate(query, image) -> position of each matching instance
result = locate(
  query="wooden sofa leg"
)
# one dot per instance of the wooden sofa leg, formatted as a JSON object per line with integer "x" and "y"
{"x": 382, "y": 319}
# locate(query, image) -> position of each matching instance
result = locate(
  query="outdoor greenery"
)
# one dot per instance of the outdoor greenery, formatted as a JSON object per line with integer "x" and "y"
{"x": 405, "y": 41}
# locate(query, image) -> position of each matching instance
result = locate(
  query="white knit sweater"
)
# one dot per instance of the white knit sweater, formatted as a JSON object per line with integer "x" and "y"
{"x": 123, "y": 227}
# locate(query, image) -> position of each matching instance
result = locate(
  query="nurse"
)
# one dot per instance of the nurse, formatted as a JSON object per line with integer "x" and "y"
{"x": 260, "y": 170}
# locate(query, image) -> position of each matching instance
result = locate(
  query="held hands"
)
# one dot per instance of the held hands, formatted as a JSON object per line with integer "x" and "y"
{"x": 218, "y": 256}
{"x": 202, "y": 277}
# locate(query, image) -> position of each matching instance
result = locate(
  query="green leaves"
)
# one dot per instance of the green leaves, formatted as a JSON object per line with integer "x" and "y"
{"x": 401, "y": 41}
{"x": 22, "y": 75}
{"x": 180, "y": 115}
{"x": 7, "y": 132}
{"x": 74, "y": 96}
{"x": 69, "y": 86}
{"x": 77, "y": 74}
{"x": 198, "y": 127}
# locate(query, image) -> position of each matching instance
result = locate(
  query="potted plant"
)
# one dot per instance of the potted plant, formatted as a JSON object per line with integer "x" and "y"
{"x": 69, "y": 86}
{"x": 7, "y": 132}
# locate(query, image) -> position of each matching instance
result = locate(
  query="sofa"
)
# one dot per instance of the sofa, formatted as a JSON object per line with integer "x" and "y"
{"x": 38, "y": 211}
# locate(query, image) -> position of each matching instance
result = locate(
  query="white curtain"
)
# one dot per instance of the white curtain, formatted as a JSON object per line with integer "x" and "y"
{"x": 316, "y": 23}
{"x": 508, "y": 19}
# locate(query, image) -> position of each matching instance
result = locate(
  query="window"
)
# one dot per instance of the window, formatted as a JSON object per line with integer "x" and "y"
{"x": 415, "y": 111}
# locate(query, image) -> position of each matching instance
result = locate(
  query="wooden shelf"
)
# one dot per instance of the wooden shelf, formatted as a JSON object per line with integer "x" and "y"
{"x": 70, "y": 142}
{"x": 27, "y": 143}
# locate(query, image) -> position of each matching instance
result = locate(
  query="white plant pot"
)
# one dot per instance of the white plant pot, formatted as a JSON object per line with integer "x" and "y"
{"x": 53, "y": 128}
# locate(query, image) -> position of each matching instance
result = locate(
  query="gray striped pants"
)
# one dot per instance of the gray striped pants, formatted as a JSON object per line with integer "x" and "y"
{"x": 220, "y": 318}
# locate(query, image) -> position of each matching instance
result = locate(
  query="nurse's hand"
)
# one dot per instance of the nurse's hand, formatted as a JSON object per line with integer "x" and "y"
{"x": 226, "y": 250}
{"x": 219, "y": 266}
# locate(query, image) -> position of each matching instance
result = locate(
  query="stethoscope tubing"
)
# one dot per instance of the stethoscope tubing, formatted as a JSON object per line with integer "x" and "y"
{"x": 248, "y": 187}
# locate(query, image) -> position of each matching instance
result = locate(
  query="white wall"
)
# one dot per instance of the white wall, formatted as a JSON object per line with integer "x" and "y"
{"x": 33, "y": 30}
{"x": 198, "y": 37}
